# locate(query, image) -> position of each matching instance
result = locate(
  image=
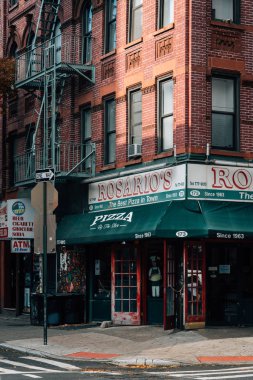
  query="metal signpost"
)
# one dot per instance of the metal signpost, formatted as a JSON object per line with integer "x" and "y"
{"x": 44, "y": 200}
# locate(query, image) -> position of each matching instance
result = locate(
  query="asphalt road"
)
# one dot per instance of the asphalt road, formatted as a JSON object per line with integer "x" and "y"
{"x": 15, "y": 365}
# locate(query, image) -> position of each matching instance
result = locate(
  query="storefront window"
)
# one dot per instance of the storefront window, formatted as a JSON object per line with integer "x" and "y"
{"x": 27, "y": 282}
{"x": 37, "y": 274}
{"x": 71, "y": 271}
{"x": 37, "y": 279}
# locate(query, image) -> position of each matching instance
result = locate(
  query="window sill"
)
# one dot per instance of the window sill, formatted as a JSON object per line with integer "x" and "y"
{"x": 135, "y": 42}
{"x": 165, "y": 29}
{"x": 133, "y": 161}
{"x": 168, "y": 153}
{"x": 228, "y": 25}
{"x": 108, "y": 167}
{"x": 109, "y": 54}
{"x": 223, "y": 152}
{"x": 88, "y": 63}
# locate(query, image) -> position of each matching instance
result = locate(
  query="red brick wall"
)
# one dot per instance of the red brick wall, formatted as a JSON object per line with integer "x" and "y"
{"x": 188, "y": 51}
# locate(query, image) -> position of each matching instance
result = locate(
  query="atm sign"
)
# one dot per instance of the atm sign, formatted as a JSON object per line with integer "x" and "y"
{"x": 20, "y": 246}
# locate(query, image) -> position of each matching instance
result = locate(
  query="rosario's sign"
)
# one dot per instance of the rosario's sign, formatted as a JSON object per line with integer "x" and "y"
{"x": 224, "y": 183}
{"x": 139, "y": 189}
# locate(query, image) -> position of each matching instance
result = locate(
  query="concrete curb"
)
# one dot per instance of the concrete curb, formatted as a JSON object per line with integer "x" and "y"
{"x": 32, "y": 351}
{"x": 146, "y": 362}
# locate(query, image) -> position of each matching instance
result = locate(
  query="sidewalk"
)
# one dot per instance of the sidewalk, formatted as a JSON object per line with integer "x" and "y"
{"x": 130, "y": 345}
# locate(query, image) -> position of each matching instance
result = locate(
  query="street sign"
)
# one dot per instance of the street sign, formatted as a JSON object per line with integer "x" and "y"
{"x": 37, "y": 197}
{"x": 38, "y": 205}
{"x": 38, "y": 233}
{"x": 44, "y": 175}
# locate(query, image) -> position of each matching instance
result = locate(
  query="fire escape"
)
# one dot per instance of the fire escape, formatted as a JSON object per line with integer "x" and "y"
{"x": 43, "y": 70}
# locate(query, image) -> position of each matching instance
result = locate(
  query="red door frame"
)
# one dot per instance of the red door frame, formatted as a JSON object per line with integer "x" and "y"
{"x": 200, "y": 317}
{"x": 168, "y": 279}
{"x": 144, "y": 285}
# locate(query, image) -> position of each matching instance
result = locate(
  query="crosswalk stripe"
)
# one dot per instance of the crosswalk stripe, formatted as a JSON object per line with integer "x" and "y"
{"x": 216, "y": 373}
{"x": 33, "y": 376}
{"x": 210, "y": 374}
{"x": 52, "y": 362}
{"x": 225, "y": 377}
{"x": 7, "y": 371}
{"x": 212, "y": 370}
{"x": 101, "y": 372}
{"x": 18, "y": 364}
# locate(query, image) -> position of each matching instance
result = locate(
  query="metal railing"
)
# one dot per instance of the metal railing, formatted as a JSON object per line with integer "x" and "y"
{"x": 64, "y": 48}
{"x": 71, "y": 159}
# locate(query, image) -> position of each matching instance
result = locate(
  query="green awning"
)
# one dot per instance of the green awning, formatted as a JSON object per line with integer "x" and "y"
{"x": 182, "y": 219}
{"x": 178, "y": 219}
{"x": 165, "y": 220}
{"x": 231, "y": 219}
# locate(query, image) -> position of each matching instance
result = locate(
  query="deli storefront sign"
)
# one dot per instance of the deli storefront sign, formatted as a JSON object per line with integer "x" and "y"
{"x": 139, "y": 189}
{"x": 220, "y": 183}
{"x": 16, "y": 219}
{"x": 20, "y": 246}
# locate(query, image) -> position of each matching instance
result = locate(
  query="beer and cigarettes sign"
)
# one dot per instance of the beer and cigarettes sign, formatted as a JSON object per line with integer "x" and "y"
{"x": 16, "y": 219}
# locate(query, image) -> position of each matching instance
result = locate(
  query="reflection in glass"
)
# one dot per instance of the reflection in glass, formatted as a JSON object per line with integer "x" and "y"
{"x": 125, "y": 306}
{"x": 133, "y": 306}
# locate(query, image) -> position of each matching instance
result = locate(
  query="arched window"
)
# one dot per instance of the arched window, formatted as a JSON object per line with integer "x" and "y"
{"x": 87, "y": 29}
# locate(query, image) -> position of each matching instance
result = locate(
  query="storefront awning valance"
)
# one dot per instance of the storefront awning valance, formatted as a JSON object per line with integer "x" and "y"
{"x": 228, "y": 220}
{"x": 167, "y": 219}
{"x": 178, "y": 219}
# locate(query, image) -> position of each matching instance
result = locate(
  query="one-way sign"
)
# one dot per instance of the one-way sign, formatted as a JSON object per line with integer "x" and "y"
{"x": 44, "y": 175}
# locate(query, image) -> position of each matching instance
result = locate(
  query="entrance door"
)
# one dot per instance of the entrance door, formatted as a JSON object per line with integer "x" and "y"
{"x": 100, "y": 284}
{"x": 126, "y": 285}
{"x": 194, "y": 285}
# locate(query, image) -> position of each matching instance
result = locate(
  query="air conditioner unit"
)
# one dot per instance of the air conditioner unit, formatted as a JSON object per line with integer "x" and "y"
{"x": 134, "y": 150}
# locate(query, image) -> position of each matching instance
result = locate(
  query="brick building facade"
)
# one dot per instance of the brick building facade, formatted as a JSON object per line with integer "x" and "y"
{"x": 146, "y": 120}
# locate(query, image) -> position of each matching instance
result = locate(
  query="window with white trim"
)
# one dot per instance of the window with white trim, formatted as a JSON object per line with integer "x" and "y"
{"x": 165, "y": 112}
{"x": 165, "y": 12}
{"x": 226, "y": 10}
{"x": 135, "y": 18}
{"x": 225, "y": 123}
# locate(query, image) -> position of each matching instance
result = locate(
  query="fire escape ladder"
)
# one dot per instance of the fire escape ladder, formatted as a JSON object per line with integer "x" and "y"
{"x": 43, "y": 70}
